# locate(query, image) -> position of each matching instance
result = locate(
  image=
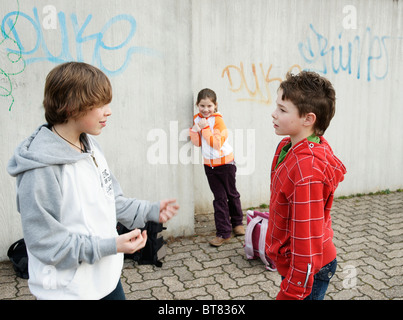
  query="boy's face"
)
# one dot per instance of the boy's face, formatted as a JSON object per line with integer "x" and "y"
{"x": 206, "y": 107}
{"x": 286, "y": 118}
{"x": 94, "y": 120}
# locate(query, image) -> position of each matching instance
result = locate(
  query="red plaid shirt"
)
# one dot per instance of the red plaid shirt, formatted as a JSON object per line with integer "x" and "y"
{"x": 299, "y": 236}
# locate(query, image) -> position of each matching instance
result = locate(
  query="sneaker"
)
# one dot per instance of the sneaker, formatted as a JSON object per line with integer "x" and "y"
{"x": 218, "y": 241}
{"x": 239, "y": 230}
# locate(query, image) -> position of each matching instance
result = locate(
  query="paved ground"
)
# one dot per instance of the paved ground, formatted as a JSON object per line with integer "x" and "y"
{"x": 368, "y": 235}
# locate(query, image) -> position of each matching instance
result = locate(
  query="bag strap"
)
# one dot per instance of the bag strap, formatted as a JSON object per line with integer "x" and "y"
{"x": 262, "y": 244}
{"x": 249, "y": 251}
{"x": 248, "y": 237}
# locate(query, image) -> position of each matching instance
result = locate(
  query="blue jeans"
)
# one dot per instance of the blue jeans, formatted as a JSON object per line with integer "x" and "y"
{"x": 116, "y": 294}
{"x": 321, "y": 281}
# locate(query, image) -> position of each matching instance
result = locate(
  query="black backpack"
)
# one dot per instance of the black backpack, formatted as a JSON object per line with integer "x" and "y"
{"x": 154, "y": 249}
{"x": 17, "y": 253}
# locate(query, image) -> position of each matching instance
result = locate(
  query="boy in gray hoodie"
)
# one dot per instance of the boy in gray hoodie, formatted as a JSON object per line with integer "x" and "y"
{"x": 69, "y": 200}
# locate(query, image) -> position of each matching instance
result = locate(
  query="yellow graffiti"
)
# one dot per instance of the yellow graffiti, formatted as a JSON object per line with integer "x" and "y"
{"x": 262, "y": 90}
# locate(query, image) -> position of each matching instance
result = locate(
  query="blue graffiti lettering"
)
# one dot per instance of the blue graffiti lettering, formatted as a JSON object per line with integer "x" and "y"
{"x": 348, "y": 57}
{"x": 42, "y": 52}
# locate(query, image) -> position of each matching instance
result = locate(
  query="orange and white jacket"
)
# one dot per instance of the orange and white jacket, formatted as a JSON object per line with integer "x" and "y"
{"x": 212, "y": 139}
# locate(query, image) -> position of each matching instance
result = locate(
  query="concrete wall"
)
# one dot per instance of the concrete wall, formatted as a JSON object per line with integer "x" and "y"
{"x": 160, "y": 53}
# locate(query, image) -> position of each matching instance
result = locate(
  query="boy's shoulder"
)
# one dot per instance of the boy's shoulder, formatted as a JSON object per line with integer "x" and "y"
{"x": 313, "y": 161}
{"x": 302, "y": 159}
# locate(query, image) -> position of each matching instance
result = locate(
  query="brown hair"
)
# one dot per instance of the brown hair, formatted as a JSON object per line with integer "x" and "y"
{"x": 310, "y": 92}
{"x": 73, "y": 88}
{"x": 207, "y": 93}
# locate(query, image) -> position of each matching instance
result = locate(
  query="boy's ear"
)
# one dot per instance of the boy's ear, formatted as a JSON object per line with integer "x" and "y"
{"x": 310, "y": 119}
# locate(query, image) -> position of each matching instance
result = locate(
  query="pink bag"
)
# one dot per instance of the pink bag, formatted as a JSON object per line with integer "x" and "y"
{"x": 255, "y": 237}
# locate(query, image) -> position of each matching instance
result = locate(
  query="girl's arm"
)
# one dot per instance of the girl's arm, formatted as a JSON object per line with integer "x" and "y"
{"x": 217, "y": 138}
{"x": 195, "y": 136}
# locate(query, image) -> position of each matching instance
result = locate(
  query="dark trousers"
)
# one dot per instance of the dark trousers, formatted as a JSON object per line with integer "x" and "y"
{"x": 227, "y": 204}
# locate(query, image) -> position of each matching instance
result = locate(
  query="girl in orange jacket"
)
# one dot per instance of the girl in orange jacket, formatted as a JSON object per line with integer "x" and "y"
{"x": 210, "y": 133}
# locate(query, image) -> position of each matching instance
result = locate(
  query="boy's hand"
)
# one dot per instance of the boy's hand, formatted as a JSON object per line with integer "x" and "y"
{"x": 168, "y": 210}
{"x": 203, "y": 123}
{"x": 131, "y": 242}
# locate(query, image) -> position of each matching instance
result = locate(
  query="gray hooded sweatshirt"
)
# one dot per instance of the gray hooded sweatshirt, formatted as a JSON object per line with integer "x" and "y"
{"x": 69, "y": 204}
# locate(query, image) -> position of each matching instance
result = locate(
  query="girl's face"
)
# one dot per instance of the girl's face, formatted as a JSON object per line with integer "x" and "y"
{"x": 206, "y": 107}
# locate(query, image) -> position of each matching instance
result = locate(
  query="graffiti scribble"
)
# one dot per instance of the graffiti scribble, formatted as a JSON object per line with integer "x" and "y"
{"x": 11, "y": 62}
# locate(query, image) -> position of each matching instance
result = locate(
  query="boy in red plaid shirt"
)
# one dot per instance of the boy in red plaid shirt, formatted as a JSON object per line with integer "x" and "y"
{"x": 304, "y": 176}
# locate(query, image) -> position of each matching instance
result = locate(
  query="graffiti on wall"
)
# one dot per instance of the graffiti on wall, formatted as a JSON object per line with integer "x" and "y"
{"x": 40, "y": 50}
{"x": 28, "y": 42}
{"x": 364, "y": 56}
{"x": 259, "y": 86}
{"x": 12, "y": 62}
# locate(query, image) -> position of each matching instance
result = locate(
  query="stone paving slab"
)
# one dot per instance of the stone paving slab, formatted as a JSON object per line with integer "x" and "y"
{"x": 368, "y": 235}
